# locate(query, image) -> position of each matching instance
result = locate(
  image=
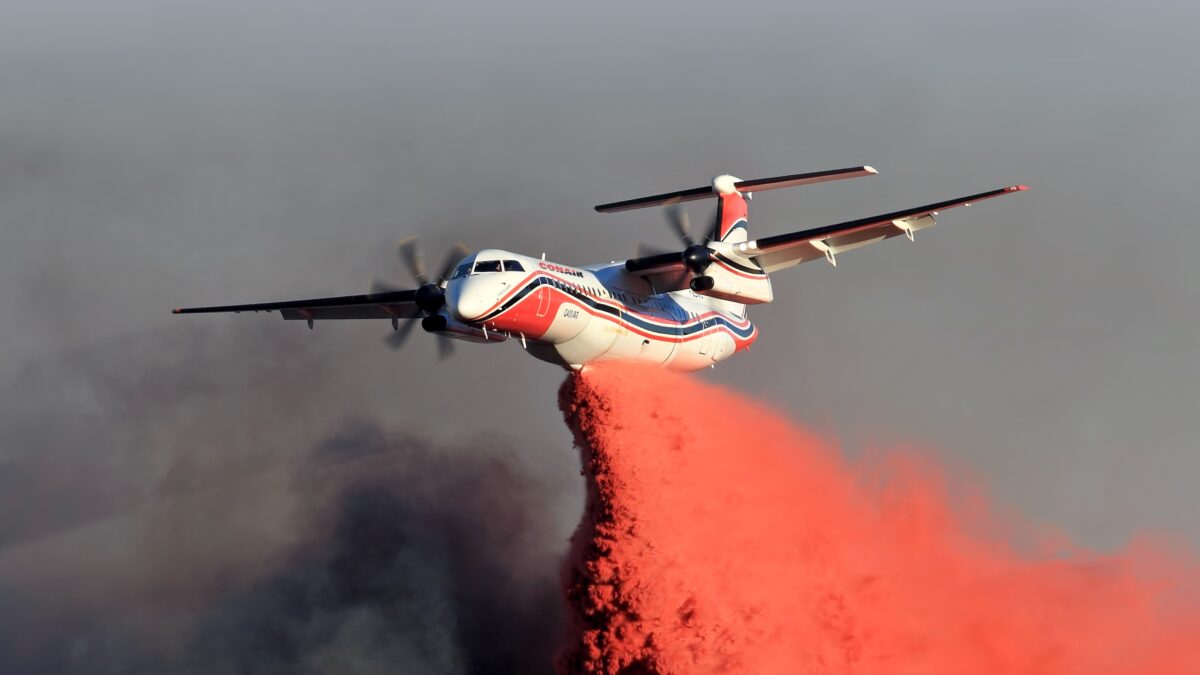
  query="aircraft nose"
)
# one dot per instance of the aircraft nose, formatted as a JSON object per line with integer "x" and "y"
{"x": 466, "y": 300}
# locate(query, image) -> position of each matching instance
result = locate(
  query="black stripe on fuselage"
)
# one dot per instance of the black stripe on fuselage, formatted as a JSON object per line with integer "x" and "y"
{"x": 676, "y": 328}
{"x": 738, "y": 266}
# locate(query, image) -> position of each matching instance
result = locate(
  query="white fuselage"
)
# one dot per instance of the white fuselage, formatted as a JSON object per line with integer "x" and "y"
{"x": 574, "y": 316}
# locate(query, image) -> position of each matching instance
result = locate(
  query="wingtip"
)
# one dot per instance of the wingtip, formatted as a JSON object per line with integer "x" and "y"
{"x": 1019, "y": 188}
{"x": 177, "y": 310}
{"x": 871, "y": 170}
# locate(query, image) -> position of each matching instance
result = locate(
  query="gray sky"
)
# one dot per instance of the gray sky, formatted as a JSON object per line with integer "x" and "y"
{"x": 162, "y": 154}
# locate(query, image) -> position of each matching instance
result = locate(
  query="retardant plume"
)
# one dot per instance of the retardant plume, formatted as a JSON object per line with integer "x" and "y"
{"x": 719, "y": 537}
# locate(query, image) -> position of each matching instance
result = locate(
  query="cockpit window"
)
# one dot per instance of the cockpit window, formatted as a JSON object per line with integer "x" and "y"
{"x": 487, "y": 266}
{"x": 462, "y": 270}
{"x": 513, "y": 266}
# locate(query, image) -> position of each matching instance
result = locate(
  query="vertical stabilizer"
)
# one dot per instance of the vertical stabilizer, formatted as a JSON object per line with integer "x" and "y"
{"x": 732, "y": 214}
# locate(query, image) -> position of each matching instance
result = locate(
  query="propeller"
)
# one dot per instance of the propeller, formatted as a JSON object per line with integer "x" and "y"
{"x": 430, "y": 296}
{"x": 695, "y": 254}
{"x": 445, "y": 347}
{"x": 396, "y": 339}
{"x": 678, "y": 218}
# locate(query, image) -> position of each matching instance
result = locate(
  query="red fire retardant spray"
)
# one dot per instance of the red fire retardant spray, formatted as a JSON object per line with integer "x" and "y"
{"x": 719, "y": 537}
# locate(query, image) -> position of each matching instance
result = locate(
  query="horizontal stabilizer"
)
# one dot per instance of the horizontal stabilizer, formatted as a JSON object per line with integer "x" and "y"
{"x": 755, "y": 185}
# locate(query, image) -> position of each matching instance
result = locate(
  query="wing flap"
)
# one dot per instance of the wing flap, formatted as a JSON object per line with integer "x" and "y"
{"x": 349, "y": 312}
{"x": 784, "y": 250}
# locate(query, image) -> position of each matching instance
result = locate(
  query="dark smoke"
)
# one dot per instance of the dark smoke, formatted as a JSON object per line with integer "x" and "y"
{"x": 163, "y": 512}
{"x": 425, "y": 565}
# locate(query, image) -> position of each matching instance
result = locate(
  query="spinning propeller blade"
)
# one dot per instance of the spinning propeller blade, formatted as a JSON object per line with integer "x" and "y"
{"x": 430, "y": 295}
{"x": 396, "y": 339}
{"x": 678, "y": 218}
{"x": 445, "y": 347}
{"x": 410, "y": 253}
{"x": 457, "y": 252}
{"x": 695, "y": 254}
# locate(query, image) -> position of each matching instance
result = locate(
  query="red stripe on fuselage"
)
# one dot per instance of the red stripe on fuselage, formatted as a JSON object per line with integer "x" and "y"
{"x": 616, "y": 304}
{"x": 522, "y": 318}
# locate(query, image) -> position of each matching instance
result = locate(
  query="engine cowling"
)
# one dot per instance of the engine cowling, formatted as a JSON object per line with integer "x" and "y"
{"x": 444, "y": 325}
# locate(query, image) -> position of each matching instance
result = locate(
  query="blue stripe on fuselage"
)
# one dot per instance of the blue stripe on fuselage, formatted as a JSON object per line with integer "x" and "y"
{"x": 674, "y": 329}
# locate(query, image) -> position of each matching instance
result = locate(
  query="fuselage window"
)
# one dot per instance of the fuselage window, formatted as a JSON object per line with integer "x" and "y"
{"x": 513, "y": 266}
{"x": 487, "y": 266}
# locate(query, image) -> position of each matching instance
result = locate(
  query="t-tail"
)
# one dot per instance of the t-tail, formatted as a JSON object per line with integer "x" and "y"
{"x": 728, "y": 275}
{"x": 716, "y": 267}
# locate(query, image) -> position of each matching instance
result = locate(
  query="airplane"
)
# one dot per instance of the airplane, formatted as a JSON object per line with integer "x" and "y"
{"x": 683, "y": 310}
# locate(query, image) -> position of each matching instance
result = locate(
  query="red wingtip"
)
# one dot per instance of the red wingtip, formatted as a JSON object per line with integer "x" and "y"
{"x": 177, "y": 310}
{"x": 1020, "y": 188}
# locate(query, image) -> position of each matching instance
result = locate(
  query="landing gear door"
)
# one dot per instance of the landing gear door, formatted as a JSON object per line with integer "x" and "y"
{"x": 707, "y": 338}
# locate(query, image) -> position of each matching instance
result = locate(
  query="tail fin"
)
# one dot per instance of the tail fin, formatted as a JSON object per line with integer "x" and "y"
{"x": 732, "y": 215}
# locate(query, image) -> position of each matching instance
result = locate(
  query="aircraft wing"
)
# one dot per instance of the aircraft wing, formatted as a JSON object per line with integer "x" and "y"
{"x": 784, "y": 250}
{"x": 385, "y": 305}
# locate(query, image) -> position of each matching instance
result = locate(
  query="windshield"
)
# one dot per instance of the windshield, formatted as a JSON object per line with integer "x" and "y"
{"x": 462, "y": 270}
{"x": 513, "y": 266}
{"x": 487, "y": 266}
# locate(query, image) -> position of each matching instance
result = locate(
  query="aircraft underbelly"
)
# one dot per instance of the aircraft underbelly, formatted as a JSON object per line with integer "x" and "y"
{"x": 633, "y": 345}
{"x": 614, "y": 339}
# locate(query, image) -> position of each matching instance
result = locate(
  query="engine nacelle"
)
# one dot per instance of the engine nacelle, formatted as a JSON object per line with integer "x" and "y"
{"x": 440, "y": 323}
{"x": 720, "y": 281}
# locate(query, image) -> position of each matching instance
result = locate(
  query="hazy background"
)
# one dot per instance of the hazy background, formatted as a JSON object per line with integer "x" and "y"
{"x": 167, "y": 483}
